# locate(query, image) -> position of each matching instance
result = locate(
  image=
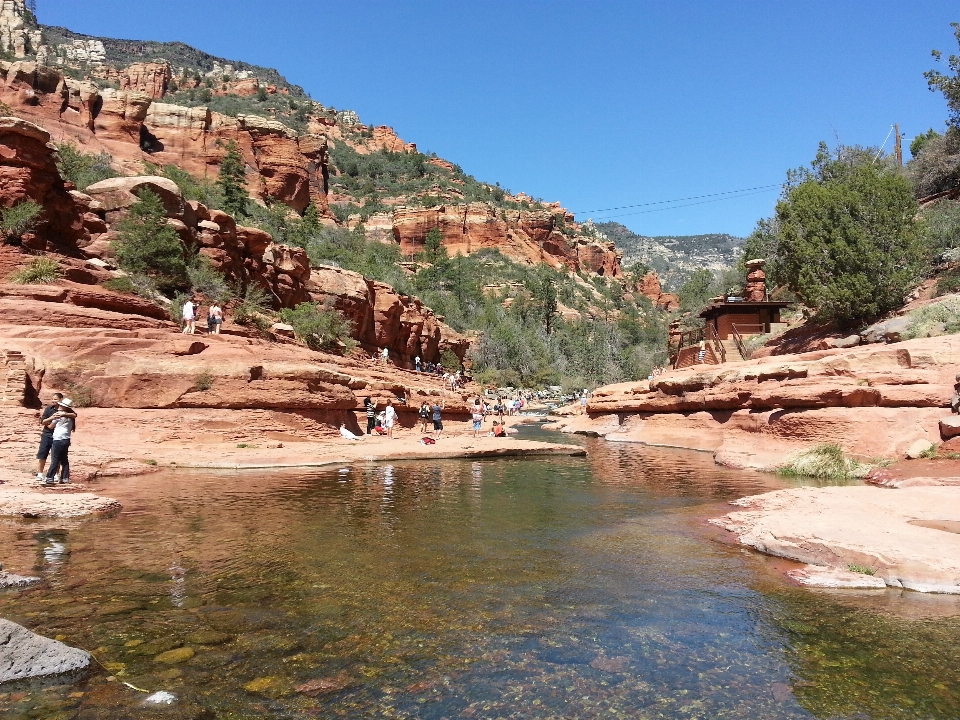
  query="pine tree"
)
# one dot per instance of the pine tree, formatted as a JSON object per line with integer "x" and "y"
{"x": 231, "y": 181}
{"x": 147, "y": 245}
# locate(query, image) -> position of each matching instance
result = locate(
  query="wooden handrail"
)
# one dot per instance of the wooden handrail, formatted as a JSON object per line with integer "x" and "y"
{"x": 714, "y": 340}
{"x": 738, "y": 338}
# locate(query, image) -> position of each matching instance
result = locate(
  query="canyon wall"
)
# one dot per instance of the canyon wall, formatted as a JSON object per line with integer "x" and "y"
{"x": 135, "y": 128}
{"x": 526, "y": 235}
{"x": 78, "y": 227}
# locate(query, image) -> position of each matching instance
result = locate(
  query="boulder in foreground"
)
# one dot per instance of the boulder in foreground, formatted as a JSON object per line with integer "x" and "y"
{"x": 24, "y": 654}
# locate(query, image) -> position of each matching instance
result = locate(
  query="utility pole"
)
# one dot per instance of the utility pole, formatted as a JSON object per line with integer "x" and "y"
{"x": 896, "y": 130}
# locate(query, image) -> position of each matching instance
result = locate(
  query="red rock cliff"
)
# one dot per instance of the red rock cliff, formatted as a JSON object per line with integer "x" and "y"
{"x": 528, "y": 236}
{"x": 134, "y": 128}
{"x": 78, "y": 225}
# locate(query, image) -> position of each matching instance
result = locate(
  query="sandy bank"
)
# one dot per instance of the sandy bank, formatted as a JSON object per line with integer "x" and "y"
{"x": 907, "y": 537}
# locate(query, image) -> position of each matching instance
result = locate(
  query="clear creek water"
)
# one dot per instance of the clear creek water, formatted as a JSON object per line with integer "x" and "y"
{"x": 543, "y": 588}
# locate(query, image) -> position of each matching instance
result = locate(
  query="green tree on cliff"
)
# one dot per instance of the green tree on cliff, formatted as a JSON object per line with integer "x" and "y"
{"x": 848, "y": 243}
{"x": 231, "y": 181}
{"x": 543, "y": 290}
{"x": 147, "y": 245}
{"x": 695, "y": 292}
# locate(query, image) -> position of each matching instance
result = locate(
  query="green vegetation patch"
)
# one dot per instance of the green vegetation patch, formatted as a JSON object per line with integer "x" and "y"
{"x": 826, "y": 461}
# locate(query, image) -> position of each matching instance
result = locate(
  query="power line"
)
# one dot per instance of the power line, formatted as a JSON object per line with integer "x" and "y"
{"x": 672, "y": 207}
{"x": 663, "y": 202}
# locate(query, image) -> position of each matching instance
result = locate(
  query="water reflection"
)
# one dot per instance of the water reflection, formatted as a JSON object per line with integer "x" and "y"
{"x": 568, "y": 587}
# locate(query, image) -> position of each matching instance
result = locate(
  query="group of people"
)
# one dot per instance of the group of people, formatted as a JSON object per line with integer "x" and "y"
{"x": 191, "y": 310}
{"x": 430, "y": 368}
{"x": 57, "y": 424}
{"x": 383, "y": 422}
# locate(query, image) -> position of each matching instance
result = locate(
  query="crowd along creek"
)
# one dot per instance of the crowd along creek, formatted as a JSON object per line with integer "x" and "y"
{"x": 544, "y": 588}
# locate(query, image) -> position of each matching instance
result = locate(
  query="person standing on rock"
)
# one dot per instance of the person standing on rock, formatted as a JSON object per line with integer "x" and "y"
{"x": 62, "y": 424}
{"x": 189, "y": 317}
{"x": 477, "y": 418}
{"x": 371, "y": 408}
{"x": 46, "y": 434}
{"x": 424, "y": 416}
{"x": 435, "y": 412}
{"x": 386, "y": 356}
{"x": 389, "y": 418}
{"x": 416, "y": 363}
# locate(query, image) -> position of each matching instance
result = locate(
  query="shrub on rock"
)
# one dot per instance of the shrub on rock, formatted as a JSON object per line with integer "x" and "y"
{"x": 319, "y": 328}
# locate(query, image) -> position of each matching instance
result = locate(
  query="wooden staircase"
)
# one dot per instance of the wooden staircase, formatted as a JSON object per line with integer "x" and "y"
{"x": 13, "y": 378}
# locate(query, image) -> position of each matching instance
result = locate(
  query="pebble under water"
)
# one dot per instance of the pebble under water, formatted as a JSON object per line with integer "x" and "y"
{"x": 544, "y": 588}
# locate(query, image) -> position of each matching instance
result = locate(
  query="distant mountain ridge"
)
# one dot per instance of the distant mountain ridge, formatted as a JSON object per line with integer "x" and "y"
{"x": 674, "y": 257}
{"x": 180, "y": 56}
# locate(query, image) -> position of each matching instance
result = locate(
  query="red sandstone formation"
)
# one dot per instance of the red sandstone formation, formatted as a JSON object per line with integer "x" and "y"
{"x": 649, "y": 286}
{"x": 151, "y": 78}
{"x": 875, "y": 401}
{"x": 756, "y": 288}
{"x": 384, "y": 318}
{"x": 78, "y": 225}
{"x": 134, "y": 128}
{"x": 28, "y": 171}
{"x": 527, "y": 236}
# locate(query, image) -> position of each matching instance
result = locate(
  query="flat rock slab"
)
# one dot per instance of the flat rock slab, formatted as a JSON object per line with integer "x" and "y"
{"x": 826, "y": 577}
{"x": 865, "y": 526}
{"x": 55, "y": 502}
{"x": 24, "y": 654}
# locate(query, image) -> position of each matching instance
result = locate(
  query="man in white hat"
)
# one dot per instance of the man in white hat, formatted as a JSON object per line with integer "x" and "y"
{"x": 62, "y": 424}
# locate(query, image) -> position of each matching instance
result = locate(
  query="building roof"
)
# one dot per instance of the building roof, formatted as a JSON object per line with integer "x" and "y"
{"x": 722, "y": 307}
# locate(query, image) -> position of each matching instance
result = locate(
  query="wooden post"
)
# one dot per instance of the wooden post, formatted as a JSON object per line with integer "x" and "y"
{"x": 896, "y": 130}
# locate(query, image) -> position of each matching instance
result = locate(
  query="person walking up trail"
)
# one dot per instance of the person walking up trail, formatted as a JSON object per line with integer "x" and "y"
{"x": 189, "y": 317}
{"x": 371, "y": 408}
{"x": 389, "y": 418}
{"x": 62, "y": 423}
{"x": 214, "y": 319}
{"x": 435, "y": 412}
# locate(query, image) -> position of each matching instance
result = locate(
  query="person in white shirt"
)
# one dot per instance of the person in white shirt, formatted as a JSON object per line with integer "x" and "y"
{"x": 189, "y": 317}
{"x": 389, "y": 418}
{"x": 62, "y": 424}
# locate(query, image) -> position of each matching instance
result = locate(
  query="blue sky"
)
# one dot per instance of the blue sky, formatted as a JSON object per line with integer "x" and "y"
{"x": 595, "y": 104}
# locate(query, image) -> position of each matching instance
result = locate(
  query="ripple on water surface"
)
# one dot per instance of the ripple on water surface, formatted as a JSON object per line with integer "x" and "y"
{"x": 556, "y": 587}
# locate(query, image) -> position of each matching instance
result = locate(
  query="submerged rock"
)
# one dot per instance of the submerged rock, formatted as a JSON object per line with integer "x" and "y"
{"x": 10, "y": 580}
{"x": 24, "y": 654}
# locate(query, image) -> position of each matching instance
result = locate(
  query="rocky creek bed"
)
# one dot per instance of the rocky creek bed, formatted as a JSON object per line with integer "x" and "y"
{"x": 433, "y": 588}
